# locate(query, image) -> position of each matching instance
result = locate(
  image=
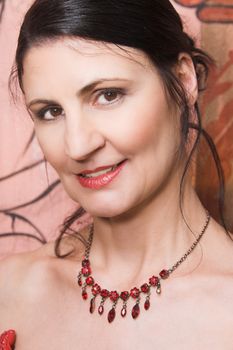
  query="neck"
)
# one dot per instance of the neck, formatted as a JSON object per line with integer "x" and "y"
{"x": 149, "y": 238}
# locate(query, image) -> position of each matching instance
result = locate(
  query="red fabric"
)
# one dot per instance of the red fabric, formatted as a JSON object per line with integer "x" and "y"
{"x": 7, "y": 340}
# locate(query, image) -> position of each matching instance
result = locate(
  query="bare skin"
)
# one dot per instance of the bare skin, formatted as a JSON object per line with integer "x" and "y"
{"x": 139, "y": 229}
{"x": 194, "y": 310}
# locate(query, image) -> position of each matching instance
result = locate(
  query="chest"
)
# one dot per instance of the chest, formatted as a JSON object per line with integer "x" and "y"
{"x": 187, "y": 321}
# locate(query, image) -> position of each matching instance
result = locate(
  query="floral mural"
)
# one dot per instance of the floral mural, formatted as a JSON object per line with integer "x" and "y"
{"x": 216, "y": 17}
{"x": 219, "y": 11}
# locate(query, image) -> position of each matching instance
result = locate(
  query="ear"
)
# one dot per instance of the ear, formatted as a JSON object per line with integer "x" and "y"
{"x": 185, "y": 72}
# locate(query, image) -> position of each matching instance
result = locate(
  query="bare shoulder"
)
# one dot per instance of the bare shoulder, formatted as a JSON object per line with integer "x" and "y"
{"x": 29, "y": 277}
{"x": 17, "y": 269}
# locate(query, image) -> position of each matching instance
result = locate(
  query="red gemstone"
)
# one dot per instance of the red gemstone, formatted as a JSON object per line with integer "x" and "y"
{"x": 135, "y": 311}
{"x": 111, "y": 315}
{"x": 104, "y": 293}
{"x": 80, "y": 282}
{"x": 85, "y": 263}
{"x": 154, "y": 281}
{"x": 86, "y": 271}
{"x": 114, "y": 295}
{"x": 145, "y": 288}
{"x": 92, "y": 305}
{"x": 135, "y": 292}
{"x": 123, "y": 312}
{"x": 124, "y": 295}
{"x": 96, "y": 289}
{"x": 147, "y": 304}
{"x": 101, "y": 309}
{"x": 164, "y": 274}
{"x": 84, "y": 295}
{"x": 89, "y": 281}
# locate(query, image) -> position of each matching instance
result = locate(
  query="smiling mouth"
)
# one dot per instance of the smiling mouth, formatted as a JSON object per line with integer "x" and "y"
{"x": 100, "y": 172}
{"x": 100, "y": 177}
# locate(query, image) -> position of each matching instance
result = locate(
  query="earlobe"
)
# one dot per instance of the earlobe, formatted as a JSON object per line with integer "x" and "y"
{"x": 187, "y": 75}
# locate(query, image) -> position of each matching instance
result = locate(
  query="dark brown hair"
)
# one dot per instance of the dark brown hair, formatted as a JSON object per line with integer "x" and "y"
{"x": 152, "y": 26}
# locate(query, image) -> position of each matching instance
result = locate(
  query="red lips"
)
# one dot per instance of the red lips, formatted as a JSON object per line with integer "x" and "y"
{"x": 97, "y": 182}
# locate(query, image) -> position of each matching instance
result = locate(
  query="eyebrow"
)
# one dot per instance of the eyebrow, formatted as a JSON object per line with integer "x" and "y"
{"x": 84, "y": 90}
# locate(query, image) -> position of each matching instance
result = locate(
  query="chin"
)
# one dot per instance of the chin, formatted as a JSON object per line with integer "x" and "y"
{"x": 107, "y": 211}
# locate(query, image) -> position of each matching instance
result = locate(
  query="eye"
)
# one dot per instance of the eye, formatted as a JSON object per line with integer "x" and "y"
{"x": 50, "y": 113}
{"x": 109, "y": 96}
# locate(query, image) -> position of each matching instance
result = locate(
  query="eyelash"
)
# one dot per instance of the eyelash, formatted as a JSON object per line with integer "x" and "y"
{"x": 119, "y": 91}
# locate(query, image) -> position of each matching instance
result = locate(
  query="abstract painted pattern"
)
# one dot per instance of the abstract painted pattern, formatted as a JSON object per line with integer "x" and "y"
{"x": 211, "y": 11}
{"x": 217, "y": 103}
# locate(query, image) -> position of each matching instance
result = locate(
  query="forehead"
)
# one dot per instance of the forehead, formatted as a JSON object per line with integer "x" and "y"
{"x": 86, "y": 59}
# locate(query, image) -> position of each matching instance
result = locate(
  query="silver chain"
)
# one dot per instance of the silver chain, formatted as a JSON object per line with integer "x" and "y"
{"x": 193, "y": 246}
{"x": 174, "y": 267}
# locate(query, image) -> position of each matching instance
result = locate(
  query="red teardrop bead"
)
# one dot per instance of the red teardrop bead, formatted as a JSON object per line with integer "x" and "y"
{"x": 135, "y": 311}
{"x": 164, "y": 274}
{"x": 135, "y": 293}
{"x": 111, "y": 315}
{"x": 147, "y": 304}
{"x": 123, "y": 312}
{"x": 145, "y": 288}
{"x": 92, "y": 305}
{"x": 154, "y": 281}
{"x": 89, "y": 281}
{"x": 124, "y": 295}
{"x": 84, "y": 295}
{"x": 101, "y": 309}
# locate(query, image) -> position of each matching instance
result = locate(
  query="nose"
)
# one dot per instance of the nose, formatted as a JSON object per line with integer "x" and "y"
{"x": 82, "y": 138}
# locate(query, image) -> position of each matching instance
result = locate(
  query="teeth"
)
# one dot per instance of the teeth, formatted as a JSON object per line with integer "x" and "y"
{"x": 101, "y": 172}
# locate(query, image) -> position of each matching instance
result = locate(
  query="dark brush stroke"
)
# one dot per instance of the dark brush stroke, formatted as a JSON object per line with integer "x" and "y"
{"x": 9, "y": 211}
{"x": 15, "y": 216}
{"x": 21, "y": 234}
{"x": 28, "y": 144}
{"x": 26, "y": 168}
{"x": 49, "y": 189}
{"x": 2, "y": 7}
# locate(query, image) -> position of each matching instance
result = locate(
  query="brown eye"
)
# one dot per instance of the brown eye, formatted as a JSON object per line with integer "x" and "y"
{"x": 109, "y": 96}
{"x": 55, "y": 112}
{"x": 50, "y": 113}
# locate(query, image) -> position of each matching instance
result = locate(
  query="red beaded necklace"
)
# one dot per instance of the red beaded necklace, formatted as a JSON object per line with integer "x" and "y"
{"x": 85, "y": 280}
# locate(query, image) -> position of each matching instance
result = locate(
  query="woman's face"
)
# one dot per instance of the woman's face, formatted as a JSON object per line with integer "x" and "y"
{"x": 95, "y": 106}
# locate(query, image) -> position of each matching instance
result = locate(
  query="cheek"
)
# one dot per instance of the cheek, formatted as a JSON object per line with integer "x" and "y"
{"x": 51, "y": 144}
{"x": 144, "y": 125}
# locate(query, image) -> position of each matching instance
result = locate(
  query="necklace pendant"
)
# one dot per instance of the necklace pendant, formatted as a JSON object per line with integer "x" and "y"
{"x": 136, "y": 310}
{"x": 101, "y": 307}
{"x": 101, "y": 310}
{"x": 158, "y": 289}
{"x": 84, "y": 294}
{"x": 124, "y": 310}
{"x": 92, "y": 305}
{"x": 147, "y": 303}
{"x": 111, "y": 315}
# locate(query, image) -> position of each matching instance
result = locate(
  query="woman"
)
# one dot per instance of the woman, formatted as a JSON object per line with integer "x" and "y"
{"x": 112, "y": 89}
